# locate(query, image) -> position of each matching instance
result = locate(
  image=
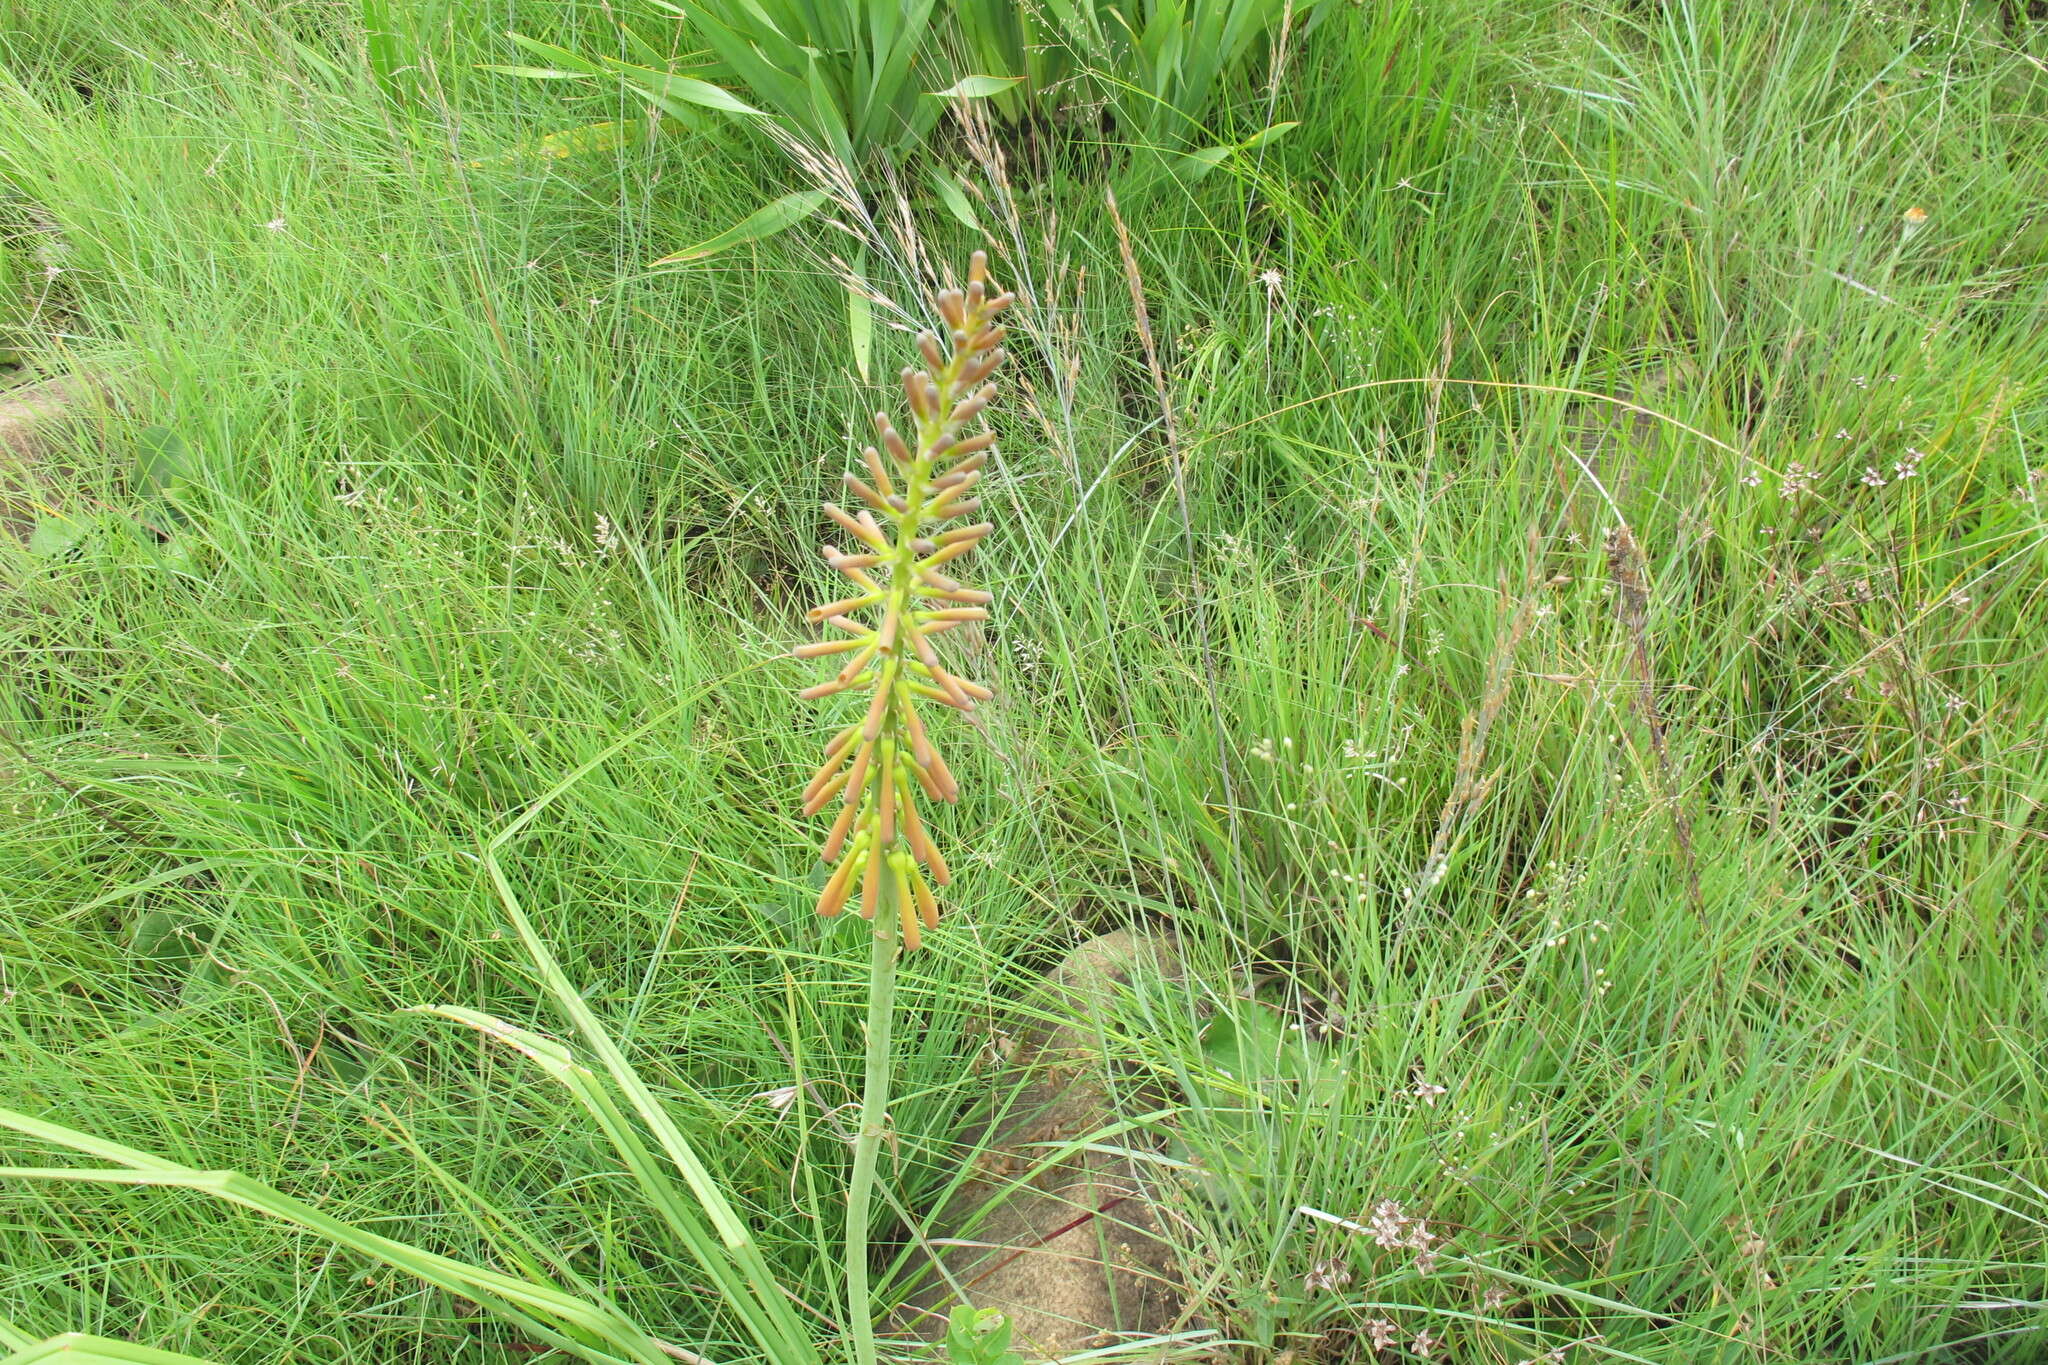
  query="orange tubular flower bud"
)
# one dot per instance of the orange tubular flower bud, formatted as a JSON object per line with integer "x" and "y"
{"x": 970, "y": 408}
{"x": 857, "y": 776}
{"x": 828, "y": 688}
{"x": 833, "y": 898}
{"x": 841, "y": 607}
{"x": 942, "y": 875}
{"x": 836, "y": 838}
{"x": 885, "y": 797}
{"x": 823, "y": 778}
{"x": 946, "y": 553}
{"x": 871, "y": 884}
{"x": 981, "y": 369}
{"x": 859, "y": 661}
{"x": 965, "y": 533}
{"x": 859, "y": 488}
{"x": 818, "y": 648}
{"x": 927, "y": 781}
{"x": 915, "y": 382}
{"x": 927, "y": 906}
{"x": 906, "y": 905}
{"x": 913, "y": 727}
{"x": 870, "y": 535}
{"x": 871, "y": 726}
{"x": 942, "y": 778}
{"x": 971, "y": 445}
{"x": 824, "y": 796}
{"x": 872, "y": 458}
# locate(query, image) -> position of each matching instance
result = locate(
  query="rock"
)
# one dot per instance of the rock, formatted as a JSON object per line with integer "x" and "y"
{"x": 1075, "y": 1255}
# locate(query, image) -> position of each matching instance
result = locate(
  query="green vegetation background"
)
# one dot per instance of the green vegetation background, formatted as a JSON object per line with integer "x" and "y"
{"x": 1738, "y": 1011}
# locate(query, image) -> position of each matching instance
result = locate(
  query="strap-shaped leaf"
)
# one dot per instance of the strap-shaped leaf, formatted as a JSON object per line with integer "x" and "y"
{"x": 775, "y": 216}
{"x": 76, "y": 1348}
{"x": 587, "y": 1329}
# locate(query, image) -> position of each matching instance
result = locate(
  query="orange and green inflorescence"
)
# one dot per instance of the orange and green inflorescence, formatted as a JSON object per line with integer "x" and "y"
{"x": 878, "y": 847}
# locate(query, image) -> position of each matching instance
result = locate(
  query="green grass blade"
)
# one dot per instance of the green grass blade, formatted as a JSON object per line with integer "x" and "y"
{"x": 530, "y": 1306}
{"x": 76, "y": 1348}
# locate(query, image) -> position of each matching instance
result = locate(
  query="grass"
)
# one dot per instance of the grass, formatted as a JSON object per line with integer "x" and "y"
{"x": 1507, "y": 674}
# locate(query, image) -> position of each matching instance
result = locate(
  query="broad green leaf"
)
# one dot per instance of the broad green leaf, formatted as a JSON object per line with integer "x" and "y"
{"x": 661, "y": 87}
{"x": 562, "y": 57}
{"x": 1269, "y": 134}
{"x": 777, "y": 215}
{"x": 860, "y": 319}
{"x": 163, "y": 459}
{"x": 535, "y": 73}
{"x": 828, "y": 119}
{"x": 770, "y": 74}
{"x": 977, "y": 87}
{"x": 57, "y": 535}
{"x": 947, "y": 187}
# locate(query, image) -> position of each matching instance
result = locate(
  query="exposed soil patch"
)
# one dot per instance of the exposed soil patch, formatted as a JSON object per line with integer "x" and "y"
{"x": 1072, "y": 1250}
{"x": 31, "y": 416}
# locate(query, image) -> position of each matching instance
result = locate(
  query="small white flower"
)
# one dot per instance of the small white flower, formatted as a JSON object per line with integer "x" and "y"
{"x": 277, "y": 224}
{"x": 1389, "y": 1225}
{"x": 1381, "y": 1333}
{"x": 1326, "y": 1275}
{"x": 1427, "y": 1092}
{"x": 780, "y": 1098}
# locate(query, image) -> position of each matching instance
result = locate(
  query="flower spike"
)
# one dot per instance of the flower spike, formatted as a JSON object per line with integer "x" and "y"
{"x": 874, "y": 768}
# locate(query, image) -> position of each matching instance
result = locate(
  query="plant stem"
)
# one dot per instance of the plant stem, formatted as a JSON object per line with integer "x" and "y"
{"x": 874, "y": 1119}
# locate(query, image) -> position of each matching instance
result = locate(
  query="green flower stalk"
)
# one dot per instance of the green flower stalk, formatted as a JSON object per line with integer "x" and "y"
{"x": 878, "y": 848}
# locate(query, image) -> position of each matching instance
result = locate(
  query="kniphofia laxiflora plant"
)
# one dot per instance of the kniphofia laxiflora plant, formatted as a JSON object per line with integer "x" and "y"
{"x": 878, "y": 847}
